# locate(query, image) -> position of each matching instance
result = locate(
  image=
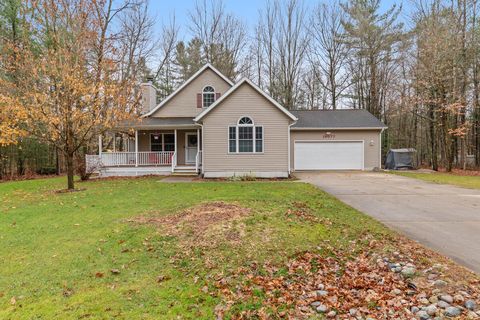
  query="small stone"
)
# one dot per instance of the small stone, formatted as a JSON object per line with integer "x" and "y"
{"x": 424, "y": 301}
{"x": 422, "y": 315}
{"x": 432, "y": 276}
{"x": 458, "y": 298}
{"x": 352, "y": 312}
{"x": 321, "y": 293}
{"x": 414, "y": 309}
{"x": 470, "y": 305}
{"x": 315, "y": 304}
{"x": 439, "y": 283}
{"x": 472, "y": 315}
{"x": 397, "y": 269}
{"x": 408, "y": 272}
{"x": 431, "y": 310}
{"x": 321, "y": 287}
{"x": 331, "y": 314}
{"x": 396, "y": 292}
{"x": 447, "y": 298}
{"x": 452, "y": 312}
{"x": 442, "y": 304}
{"x": 322, "y": 308}
{"x": 433, "y": 299}
{"x": 115, "y": 271}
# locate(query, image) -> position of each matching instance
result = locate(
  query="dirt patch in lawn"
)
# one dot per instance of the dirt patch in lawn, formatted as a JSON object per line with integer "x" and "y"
{"x": 204, "y": 225}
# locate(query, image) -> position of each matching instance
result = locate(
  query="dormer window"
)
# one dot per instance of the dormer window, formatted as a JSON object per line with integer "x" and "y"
{"x": 208, "y": 96}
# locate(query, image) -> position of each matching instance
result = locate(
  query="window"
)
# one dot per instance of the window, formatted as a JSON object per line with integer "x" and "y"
{"x": 162, "y": 142}
{"x": 245, "y": 137}
{"x": 259, "y": 139}
{"x": 208, "y": 96}
{"x": 156, "y": 142}
{"x": 232, "y": 139}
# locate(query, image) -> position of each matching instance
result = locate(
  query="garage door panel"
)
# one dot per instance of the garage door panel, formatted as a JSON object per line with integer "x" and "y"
{"x": 331, "y": 155}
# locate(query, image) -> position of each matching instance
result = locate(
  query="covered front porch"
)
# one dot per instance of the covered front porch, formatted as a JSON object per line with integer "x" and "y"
{"x": 146, "y": 151}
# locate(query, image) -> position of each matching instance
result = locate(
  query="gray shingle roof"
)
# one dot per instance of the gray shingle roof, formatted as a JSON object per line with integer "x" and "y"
{"x": 152, "y": 123}
{"x": 336, "y": 119}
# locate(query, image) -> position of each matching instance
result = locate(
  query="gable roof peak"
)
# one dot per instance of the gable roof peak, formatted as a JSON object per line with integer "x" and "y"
{"x": 234, "y": 88}
{"x": 186, "y": 83}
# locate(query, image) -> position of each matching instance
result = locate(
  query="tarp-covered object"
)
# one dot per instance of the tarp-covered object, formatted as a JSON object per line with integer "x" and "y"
{"x": 400, "y": 159}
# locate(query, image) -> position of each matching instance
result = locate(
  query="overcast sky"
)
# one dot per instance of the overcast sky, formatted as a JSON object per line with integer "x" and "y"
{"x": 246, "y": 10}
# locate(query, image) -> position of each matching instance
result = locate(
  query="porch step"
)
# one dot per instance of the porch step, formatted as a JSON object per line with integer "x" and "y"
{"x": 185, "y": 171}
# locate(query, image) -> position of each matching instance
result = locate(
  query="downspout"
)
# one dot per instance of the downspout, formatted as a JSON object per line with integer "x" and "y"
{"x": 289, "y": 143}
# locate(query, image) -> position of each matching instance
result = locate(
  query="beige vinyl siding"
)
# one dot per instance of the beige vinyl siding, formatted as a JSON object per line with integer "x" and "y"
{"x": 245, "y": 101}
{"x": 371, "y": 153}
{"x": 184, "y": 103}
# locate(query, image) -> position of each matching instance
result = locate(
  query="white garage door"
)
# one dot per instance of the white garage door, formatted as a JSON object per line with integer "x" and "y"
{"x": 328, "y": 155}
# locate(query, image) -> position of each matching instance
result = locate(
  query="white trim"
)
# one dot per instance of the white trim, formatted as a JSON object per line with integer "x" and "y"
{"x": 174, "y": 93}
{"x": 330, "y": 141}
{"x": 186, "y": 145}
{"x": 254, "y": 139}
{"x": 256, "y": 174}
{"x": 136, "y": 148}
{"x": 203, "y": 92}
{"x": 380, "y": 149}
{"x": 100, "y": 144}
{"x": 339, "y": 128}
{"x": 133, "y": 171}
{"x": 235, "y": 87}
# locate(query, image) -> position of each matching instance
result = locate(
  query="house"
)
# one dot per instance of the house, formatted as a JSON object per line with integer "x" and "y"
{"x": 218, "y": 128}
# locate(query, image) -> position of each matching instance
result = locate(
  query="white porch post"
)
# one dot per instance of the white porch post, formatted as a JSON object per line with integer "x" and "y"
{"x": 136, "y": 148}
{"x": 176, "y": 151}
{"x": 100, "y": 146}
{"x": 114, "y": 142}
{"x": 198, "y": 141}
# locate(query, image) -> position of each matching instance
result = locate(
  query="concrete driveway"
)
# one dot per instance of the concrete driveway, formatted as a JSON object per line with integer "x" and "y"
{"x": 443, "y": 217}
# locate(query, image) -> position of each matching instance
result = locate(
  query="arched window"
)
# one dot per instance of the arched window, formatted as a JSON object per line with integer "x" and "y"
{"x": 245, "y": 137}
{"x": 208, "y": 96}
{"x": 245, "y": 121}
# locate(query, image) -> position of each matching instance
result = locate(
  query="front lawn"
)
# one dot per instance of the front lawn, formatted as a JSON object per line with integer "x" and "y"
{"x": 144, "y": 249}
{"x": 471, "y": 182}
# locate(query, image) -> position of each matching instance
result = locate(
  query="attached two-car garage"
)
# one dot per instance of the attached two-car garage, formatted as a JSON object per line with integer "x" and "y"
{"x": 328, "y": 155}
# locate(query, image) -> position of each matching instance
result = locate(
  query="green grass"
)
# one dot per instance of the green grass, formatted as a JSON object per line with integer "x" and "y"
{"x": 52, "y": 245}
{"x": 471, "y": 182}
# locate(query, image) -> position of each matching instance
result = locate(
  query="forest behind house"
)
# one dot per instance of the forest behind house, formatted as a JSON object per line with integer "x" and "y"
{"x": 70, "y": 68}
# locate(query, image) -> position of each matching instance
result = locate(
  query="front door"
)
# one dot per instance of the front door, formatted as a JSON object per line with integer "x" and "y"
{"x": 191, "y": 147}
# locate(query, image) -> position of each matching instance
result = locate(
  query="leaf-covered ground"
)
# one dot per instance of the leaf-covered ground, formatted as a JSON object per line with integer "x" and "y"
{"x": 144, "y": 249}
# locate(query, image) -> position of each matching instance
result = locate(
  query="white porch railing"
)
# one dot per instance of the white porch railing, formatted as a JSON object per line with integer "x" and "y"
{"x": 198, "y": 160}
{"x": 155, "y": 158}
{"x": 115, "y": 159}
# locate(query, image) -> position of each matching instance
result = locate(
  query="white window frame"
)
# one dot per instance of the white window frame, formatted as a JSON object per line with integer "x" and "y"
{"x": 204, "y": 93}
{"x": 254, "y": 137}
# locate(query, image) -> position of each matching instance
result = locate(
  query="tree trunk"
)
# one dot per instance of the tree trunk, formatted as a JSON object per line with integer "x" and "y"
{"x": 70, "y": 171}
{"x": 433, "y": 140}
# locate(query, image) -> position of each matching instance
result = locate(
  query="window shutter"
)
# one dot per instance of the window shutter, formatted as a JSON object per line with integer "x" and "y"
{"x": 199, "y": 100}
{"x": 217, "y": 95}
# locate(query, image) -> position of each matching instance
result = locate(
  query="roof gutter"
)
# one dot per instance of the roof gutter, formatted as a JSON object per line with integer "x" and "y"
{"x": 338, "y": 128}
